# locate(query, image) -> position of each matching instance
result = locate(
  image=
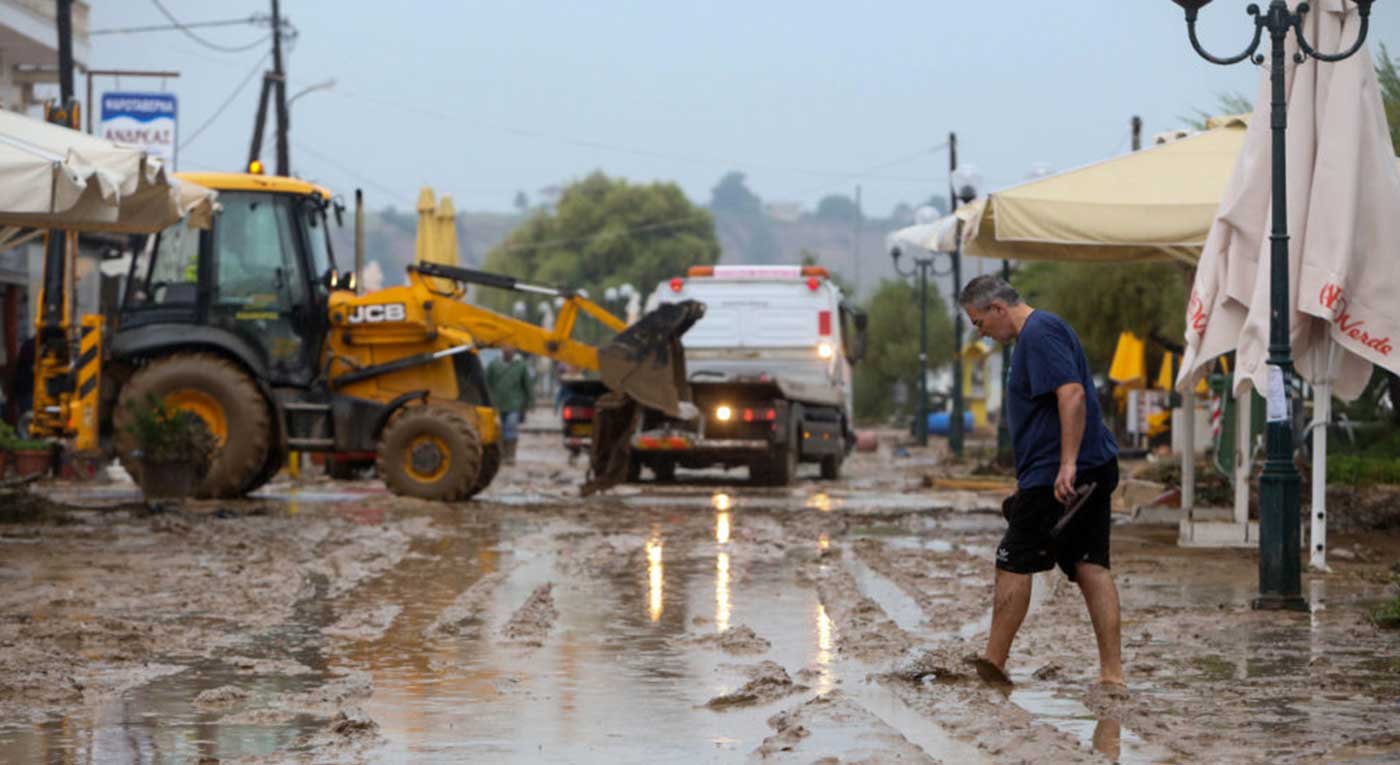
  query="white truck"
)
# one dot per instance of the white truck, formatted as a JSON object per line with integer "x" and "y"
{"x": 770, "y": 370}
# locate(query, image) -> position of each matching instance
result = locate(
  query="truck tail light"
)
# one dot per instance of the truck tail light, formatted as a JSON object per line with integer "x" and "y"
{"x": 578, "y": 413}
{"x": 770, "y": 415}
{"x": 814, "y": 284}
{"x": 676, "y": 284}
{"x": 824, "y": 323}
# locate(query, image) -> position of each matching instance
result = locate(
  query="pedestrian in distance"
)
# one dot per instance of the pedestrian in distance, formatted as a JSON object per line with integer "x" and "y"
{"x": 512, "y": 393}
{"x": 1061, "y": 446}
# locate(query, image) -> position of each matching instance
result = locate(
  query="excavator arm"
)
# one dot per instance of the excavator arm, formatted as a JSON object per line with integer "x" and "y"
{"x": 643, "y": 362}
{"x": 643, "y": 366}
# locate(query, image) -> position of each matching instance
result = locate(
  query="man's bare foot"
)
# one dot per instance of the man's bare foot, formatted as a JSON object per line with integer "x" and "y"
{"x": 1113, "y": 689}
{"x": 990, "y": 673}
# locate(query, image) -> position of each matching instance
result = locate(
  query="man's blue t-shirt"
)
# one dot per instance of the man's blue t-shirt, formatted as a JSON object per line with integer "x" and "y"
{"x": 1048, "y": 355}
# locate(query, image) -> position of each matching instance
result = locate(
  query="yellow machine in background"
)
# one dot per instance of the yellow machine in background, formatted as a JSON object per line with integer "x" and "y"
{"x": 250, "y": 325}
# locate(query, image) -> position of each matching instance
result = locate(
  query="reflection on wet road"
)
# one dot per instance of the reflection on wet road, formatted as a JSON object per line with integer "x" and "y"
{"x": 554, "y": 634}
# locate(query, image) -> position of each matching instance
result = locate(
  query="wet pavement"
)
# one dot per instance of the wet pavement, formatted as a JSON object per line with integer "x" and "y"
{"x": 700, "y": 622}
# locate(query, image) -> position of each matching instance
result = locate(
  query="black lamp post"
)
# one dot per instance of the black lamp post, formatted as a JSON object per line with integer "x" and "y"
{"x": 922, "y": 265}
{"x": 1279, "y": 520}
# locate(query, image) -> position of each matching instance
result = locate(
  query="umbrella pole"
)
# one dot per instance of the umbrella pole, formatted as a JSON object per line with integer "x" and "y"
{"x": 1322, "y": 414}
{"x": 1244, "y": 404}
{"x": 1188, "y": 450}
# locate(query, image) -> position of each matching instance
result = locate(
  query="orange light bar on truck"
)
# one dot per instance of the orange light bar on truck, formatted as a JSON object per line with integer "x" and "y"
{"x": 815, "y": 274}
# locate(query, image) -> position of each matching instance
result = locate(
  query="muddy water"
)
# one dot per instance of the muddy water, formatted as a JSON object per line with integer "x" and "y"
{"x": 722, "y": 623}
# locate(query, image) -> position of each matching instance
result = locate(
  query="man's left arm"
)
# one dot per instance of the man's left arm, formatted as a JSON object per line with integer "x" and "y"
{"x": 1070, "y": 400}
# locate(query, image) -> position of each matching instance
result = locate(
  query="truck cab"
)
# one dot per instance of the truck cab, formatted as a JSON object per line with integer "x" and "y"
{"x": 769, "y": 367}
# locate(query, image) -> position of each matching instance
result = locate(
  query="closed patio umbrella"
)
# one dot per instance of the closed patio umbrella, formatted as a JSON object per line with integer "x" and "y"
{"x": 1344, "y": 226}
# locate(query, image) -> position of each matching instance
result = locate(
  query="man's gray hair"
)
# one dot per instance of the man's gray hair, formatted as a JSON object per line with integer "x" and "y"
{"x": 981, "y": 291}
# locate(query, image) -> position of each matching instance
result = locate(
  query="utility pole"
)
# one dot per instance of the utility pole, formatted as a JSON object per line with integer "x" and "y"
{"x": 1137, "y": 132}
{"x": 955, "y": 422}
{"x": 860, "y": 223}
{"x": 65, "y": 51}
{"x": 284, "y": 161}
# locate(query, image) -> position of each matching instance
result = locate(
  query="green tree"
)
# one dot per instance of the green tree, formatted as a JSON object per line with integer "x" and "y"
{"x": 1100, "y": 300}
{"x": 1226, "y": 104}
{"x": 732, "y": 195}
{"x": 892, "y": 351}
{"x": 838, "y": 208}
{"x": 606, "y": 232}
{"x": 740, "y": 216}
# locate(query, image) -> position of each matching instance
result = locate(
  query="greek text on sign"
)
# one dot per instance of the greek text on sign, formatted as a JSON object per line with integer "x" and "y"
{"x": 143, "y": 120}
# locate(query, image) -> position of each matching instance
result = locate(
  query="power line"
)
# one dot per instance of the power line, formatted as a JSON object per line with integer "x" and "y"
{"x": 171, "y": 27}
{"x": 653, "y": 154}
{"x": 185, "y": 28}
{"x": 394, "y": 194}
{"x": 251, "y": 73}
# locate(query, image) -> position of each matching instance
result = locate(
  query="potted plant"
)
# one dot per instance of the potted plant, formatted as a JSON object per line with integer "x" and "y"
{"x": 31, "y": 458}
{"x": 173, "y": 449}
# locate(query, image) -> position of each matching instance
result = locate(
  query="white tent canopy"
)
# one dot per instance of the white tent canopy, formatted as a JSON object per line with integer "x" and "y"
{"x": 54, "y": 177}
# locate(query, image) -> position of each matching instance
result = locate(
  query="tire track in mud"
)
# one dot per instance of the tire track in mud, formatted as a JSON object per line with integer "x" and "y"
{"x": 947, "y": 694}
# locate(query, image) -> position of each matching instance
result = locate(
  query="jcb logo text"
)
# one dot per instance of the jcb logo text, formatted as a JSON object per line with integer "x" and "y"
{"x": 374, "y": 314}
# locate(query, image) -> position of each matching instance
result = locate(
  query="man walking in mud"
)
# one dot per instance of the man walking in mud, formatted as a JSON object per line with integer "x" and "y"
{"x": 1063, "y": 452}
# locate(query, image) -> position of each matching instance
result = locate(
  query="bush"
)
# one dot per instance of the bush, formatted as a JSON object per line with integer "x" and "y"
{"x": 1359, "y": 469}
{"x": 11, "y": 442}
{"x": 165, "y": 434}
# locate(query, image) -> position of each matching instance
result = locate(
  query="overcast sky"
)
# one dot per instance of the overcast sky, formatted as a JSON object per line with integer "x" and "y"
{"x": 482, "y": 99}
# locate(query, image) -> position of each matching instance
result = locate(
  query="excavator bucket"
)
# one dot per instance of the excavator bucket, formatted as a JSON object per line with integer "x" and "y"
{"x": 644, "y": 366}
{"x": 646, "y": 362}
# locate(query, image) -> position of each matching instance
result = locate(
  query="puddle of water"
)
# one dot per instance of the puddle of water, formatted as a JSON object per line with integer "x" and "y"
{"x": 1103, "y": 735}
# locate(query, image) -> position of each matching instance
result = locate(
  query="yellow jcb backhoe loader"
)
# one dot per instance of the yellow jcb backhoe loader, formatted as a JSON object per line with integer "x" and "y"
{"x": 249, "y": 325}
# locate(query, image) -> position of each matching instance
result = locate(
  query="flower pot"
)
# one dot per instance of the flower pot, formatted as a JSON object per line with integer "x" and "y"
{"x": 33, "y": 462}
{"x": 167, "y": 480}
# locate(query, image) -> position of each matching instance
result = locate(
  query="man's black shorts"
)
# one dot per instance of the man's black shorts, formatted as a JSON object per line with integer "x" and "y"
{"x": 1028, "y": 547}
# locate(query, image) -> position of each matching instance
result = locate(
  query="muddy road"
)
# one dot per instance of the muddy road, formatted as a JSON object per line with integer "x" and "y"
{"x": 700, "y": 622}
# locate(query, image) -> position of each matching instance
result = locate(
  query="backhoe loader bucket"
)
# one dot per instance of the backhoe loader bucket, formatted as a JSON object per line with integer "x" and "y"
{"x": 644, "y": 365}
{"x": 646, "y": 361}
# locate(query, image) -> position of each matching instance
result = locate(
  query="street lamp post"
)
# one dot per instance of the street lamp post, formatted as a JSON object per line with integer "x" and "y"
{"x": 922, "y": 265}
{"x": 1280, "y": 535}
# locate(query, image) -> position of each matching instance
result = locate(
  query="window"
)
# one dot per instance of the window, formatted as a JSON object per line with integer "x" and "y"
{"x": 256, "y": 253}
{"x": 166, "y": 271}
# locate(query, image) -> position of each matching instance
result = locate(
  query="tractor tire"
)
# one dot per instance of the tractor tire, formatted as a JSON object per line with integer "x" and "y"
{"x": 430, "y": 452}
{"x": 276, "y": 460}
{"x": 221, "y": 394}
{"x": 490, "y": 464}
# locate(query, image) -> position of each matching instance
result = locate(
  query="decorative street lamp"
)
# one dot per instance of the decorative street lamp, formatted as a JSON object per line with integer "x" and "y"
{"x": 1280, "y": 538}
{"x": 923, "y": 265}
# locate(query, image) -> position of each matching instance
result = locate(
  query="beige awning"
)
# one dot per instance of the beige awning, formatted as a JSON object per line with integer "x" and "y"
{"x": 1154, "y": 204}
{"x": 54, "y": 177}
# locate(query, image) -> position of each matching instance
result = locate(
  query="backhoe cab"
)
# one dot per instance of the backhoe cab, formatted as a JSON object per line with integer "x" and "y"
{"x": 250, "y": 325}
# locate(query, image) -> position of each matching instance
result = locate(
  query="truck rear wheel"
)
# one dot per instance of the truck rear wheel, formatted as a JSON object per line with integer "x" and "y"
{"x": 782, "y": 468}
{"x": 221, "y": 394}
{"x": 430, "y": 452}
{"x": 831, "y": 467}
{"x": 664, "y": 470}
